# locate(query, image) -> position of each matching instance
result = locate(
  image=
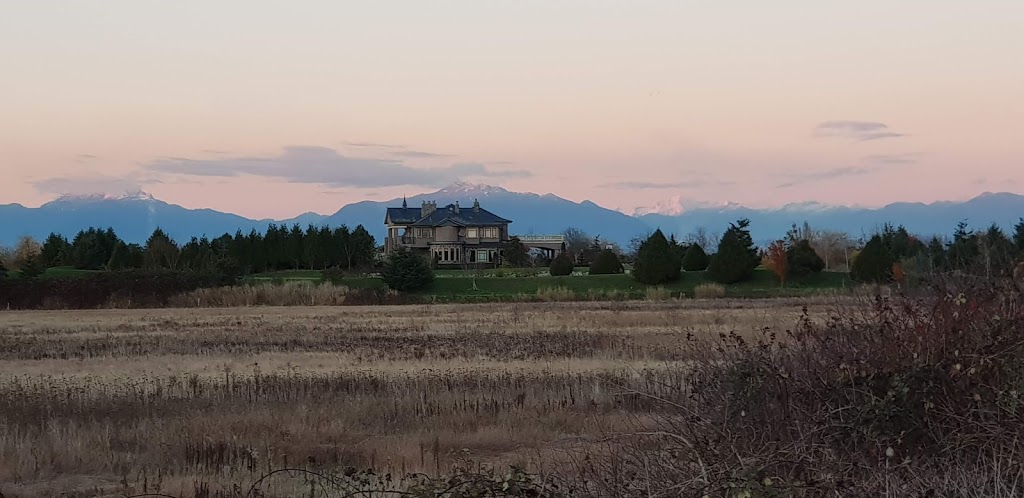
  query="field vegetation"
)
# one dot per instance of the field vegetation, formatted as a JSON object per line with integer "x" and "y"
{"x": 181, "y": 401}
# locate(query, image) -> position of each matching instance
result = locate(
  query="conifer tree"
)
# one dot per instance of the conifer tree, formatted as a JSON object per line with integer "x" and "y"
{"x": 657, "y": 261}
{"x": 737, "y": 257}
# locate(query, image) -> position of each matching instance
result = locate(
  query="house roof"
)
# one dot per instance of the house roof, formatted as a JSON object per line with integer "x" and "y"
{"x": 467, "y": 217}
{"x": 404, "y": 215}
{"x": 445, "y": 216}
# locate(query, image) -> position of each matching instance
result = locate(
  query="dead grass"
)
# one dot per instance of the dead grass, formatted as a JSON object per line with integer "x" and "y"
{"x": 115, "y": 399}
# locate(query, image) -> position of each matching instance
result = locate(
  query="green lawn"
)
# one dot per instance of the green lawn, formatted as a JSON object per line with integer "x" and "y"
{"x": 483, "y": 285}
{"x": 59, "y": 272}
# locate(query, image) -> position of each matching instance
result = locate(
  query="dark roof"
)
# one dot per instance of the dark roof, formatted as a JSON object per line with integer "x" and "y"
{"x": 403, "y": 214}
{"x": 467, "y": 216}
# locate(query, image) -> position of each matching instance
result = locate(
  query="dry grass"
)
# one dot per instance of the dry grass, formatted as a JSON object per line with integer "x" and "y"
{"x": 293, "y": 293}
{"x": 103, "y": 401}
{"x": 709, "y": 291}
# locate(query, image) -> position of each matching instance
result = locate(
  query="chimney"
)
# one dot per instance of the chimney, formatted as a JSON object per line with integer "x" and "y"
{"x": 427, "y": 208}
{"x": 476, "y": 205}
{"x": 456, "y": 210}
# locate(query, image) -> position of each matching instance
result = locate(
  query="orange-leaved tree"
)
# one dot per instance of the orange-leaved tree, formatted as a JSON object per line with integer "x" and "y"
{"x": 775, "y": 259}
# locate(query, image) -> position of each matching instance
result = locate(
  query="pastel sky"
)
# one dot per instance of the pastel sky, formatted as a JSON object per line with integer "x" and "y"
{"x": 273, "y": 108}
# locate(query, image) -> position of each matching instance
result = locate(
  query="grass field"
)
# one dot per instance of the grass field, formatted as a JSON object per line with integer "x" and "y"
{"x": 116, "y": 402}
{"x": 460, "y": 285}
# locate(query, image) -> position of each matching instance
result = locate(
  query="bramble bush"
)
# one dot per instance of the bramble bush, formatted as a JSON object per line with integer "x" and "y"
{"x": 914, "y": 395}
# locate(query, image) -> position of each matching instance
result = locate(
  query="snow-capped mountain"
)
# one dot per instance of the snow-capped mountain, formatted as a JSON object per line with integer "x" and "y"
{"x": 677, "y": 205}
{"x": 135, "y": 215}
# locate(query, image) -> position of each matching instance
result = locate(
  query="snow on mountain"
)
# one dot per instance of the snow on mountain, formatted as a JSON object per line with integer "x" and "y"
{"x": 677, "y": 205}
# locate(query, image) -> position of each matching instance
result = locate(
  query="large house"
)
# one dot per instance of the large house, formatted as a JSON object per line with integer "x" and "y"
{"x": 450, "y": 235}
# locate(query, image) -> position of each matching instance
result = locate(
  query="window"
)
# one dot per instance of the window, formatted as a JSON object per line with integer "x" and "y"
{"x": 471, "y": 233}
{"x": 489, "y": 233}
{"x": 424, "y": 233}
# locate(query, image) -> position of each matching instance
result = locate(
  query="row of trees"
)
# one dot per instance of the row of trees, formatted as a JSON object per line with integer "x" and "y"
{"x": 279, "y": 248}
{"x": 894, "y": 255}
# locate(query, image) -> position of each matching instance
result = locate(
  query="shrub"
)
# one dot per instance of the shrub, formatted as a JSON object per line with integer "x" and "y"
{"x": 873, "y": 264}
{"x": 295, "y": 293}
{"x": 32, "y": 267}
{"x": 657, "y": 293}
{"x": 407, "y": 272}
{"x": 333, "y": 275}
{"x": 562, "y": 265}
{"x": 709, "y": 291}
{"x": 555, "y": 294}
{"x": 516, "y": 254}
{"x": 903, "y": 388}
{"x": 656, "y": 261}
{"x": 803, "y": 260}
{"x": 606, "y": 263}
{"x": 736, "y": 257}
{"x": 140, "y": 289}
{"x": 695, "y": 259}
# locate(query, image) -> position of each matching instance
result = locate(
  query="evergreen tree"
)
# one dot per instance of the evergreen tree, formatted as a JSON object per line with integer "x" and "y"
{"x": 1018, "y": 239}
{"x": 405, "y": 271}
{"x": 606, "y": 263}
{"x": 562, "y": 265}
{"x": 657, "y": 261}
{"x": 996, "y": 252}
{"x": 937, "y": 255}
{"x": 695, "y": 259}
{"x": 516, "y": 253}
{"x": 737, "y": 257}
{"x": 3, "y": 270}
{"x": 874, "y": 263}
{"x": 963, "y": 252}
{"x": 55, "y": 250}
{"x": 161, "y": 251}
{"x": 802, "y": 259}
{"x": 31, "y": 267}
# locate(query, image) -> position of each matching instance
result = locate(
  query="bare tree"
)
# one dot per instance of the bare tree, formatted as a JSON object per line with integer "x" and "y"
{"x": 707, "y": 240}
{"x": 576, "y": 240}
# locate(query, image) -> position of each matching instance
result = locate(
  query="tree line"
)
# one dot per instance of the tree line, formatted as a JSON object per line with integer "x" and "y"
{"x": 278, "y": 248}
{"x": 891, "y": 255}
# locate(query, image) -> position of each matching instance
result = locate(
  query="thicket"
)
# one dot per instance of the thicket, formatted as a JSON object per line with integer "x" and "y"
{"x": 140, "y": 289}
{"x": 904, "y": 396}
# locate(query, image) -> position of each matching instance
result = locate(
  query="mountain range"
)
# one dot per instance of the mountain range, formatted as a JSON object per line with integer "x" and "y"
{"x": 134, "y": 216}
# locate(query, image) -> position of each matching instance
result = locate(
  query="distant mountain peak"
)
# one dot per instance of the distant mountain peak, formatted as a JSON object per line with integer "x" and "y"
{"x": 472, "y": 189}
{"x": 677, "y": 205}
{"x": 136, "y": 195}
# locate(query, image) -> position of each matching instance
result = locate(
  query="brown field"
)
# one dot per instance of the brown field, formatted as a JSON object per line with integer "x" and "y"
{"x": 115, "y": 402}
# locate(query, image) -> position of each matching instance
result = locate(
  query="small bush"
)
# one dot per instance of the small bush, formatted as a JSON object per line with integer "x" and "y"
{"x": 873, "y": 264}
{"x": 562, "y": 265}
{"x": 556, "y": 294}
{"x": 657, "y": 293}
{"x": 407, "y": 272}
{"x": 695, "y": 259}
{"x": 333, "y": 275}
{"x": 802, "y": 260}
{"x": 606, "y": 263}
{"x": 709, "y": 291}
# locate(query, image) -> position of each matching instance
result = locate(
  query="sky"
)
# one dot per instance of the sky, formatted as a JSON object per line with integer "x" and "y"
{"x": 271, "y": 109}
